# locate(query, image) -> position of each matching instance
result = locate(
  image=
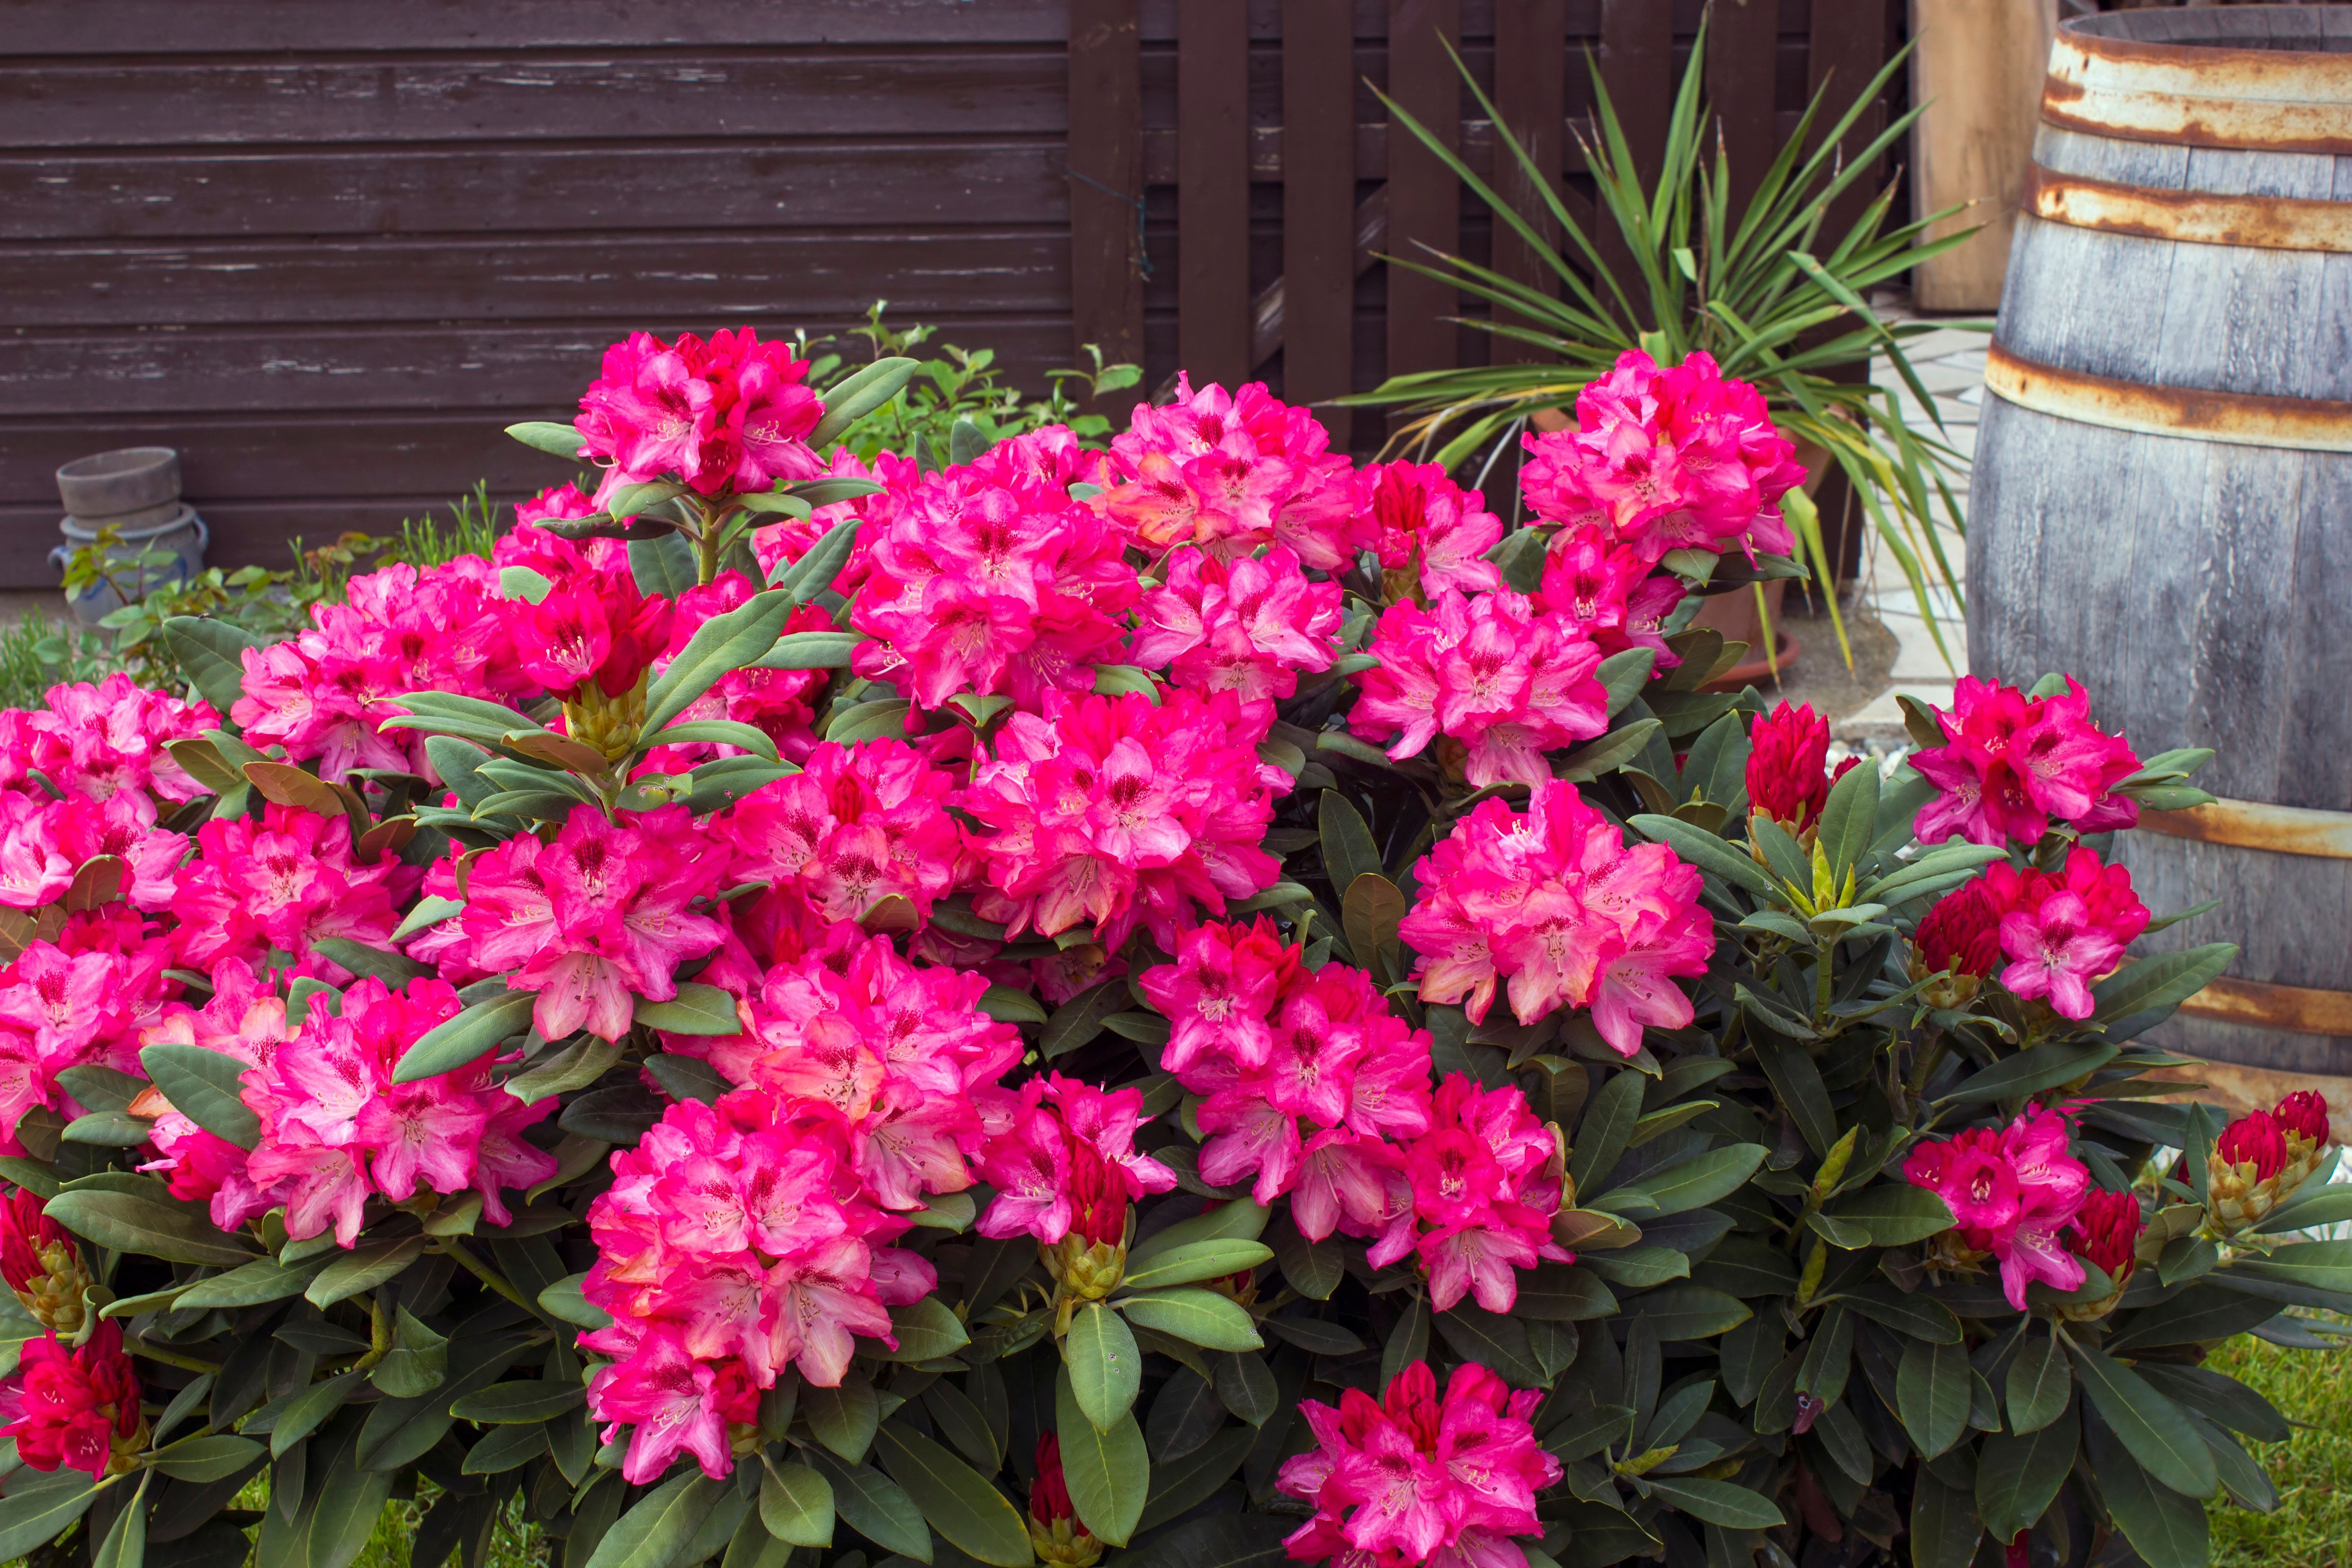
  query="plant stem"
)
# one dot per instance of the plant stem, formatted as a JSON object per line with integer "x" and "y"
{"x": 486, "y": 1274}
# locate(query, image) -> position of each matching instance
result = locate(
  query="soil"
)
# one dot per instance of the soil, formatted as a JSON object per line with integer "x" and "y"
{"x": 1819, "y": 675}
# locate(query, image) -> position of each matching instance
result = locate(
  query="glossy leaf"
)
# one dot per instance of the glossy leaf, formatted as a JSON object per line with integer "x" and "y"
{"x": 1108, "y": 1472}
{"x": 956, "y": 1501}
{"x": 1104, "y": 1366}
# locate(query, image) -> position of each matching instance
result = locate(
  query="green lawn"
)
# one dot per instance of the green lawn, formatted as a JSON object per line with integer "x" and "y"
{"x": 2313, "y": 1526}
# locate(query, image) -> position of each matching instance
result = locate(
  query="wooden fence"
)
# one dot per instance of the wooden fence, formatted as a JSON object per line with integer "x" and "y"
{"x": 327, "y": 251}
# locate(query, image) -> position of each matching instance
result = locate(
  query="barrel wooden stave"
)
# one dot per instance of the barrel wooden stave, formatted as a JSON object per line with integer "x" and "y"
{"x": 2200, "y": 589}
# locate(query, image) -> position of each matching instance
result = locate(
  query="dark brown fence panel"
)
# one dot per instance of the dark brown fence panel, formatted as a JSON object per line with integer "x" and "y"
{"x": 1213, "y": 179}
{"x": 1107, "y": 255}
{"x": 1424, "y": 197}
{"x": 1530, "y": 94}
{"x": 1319, "y": 215}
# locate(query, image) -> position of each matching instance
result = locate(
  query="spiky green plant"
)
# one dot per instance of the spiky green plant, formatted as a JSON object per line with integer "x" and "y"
{"x": 1753, "y": 289}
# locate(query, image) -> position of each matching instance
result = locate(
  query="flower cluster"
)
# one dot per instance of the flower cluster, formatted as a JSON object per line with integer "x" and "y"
{"x": 46, "y": 842}
{"x": 336, "y": 1130}
{"x": 591, "y": 625}
{"x": 1498, "y": 675}
{"x": 282, "y": 882}
{"x": 1231, "y": 472}
{"x": 1120, "y": 810}
{"x": 2013, "y": 1191}
{"x": 1552, "y": 901}
{"x": 83, "y": 1000}
{"x": 731, "y": 413}
{"x": 1606, "y": 592}
{"x": 1414, "y": 1479}
{"x": 1307, "y": 1073}
{"x": 2011, "y": 764}
{"x": 990, "y": 583}
{"x": 1247, "y": 627}
{"x": 40, "y": 1263}
{"x": 324, "y": 695}
{"x": 1484, "y": 1182}
{"x": 76, "y": 1408}
{"x": 1788, "y": 763}
{"x": 1063, "y": 1161}
{"x": 593, "y": 919}
{"x": 102, "y": 740}
{"x": 2263, "y": 1157}
{"x": 1430, "y": 533}
{"x": 1667, "y": 459}
{"x": 2062, "y": 930}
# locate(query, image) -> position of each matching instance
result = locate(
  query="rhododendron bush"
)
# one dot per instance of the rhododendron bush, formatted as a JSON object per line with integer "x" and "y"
{"x": 1202, "y": 1001}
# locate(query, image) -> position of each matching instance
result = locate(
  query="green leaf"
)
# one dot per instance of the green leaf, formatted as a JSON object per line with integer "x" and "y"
{"x": 663, "y": 564}
{"x": 796, "y": 1505}
{"x": 1932, "y": 1391}
{"x": 856, "y": 395}
{"x": 1407, "y": 1343}
{"x": 363, "y": 1270}
{"x": 718, "y": 733}
{"x": 1691, "y": 1184}
{"x": 1703, "y": 849}
{"x": 576, "y": 1066}
{"x": 108, "y": 1129}
{"x": 2315, "y": 1265}
{"x": 1238, "y": 1220}
{"x": 1108, "y": 1472}
{"x": 927, "y": 1330}
{"x": 1218, "y": 1540}
{"x": 547, "y": 436}
{"x": 1006, "y": 1006}
{"x": 875, "y": 1507}
{"x": 1348, "y": 851}
{"x": 203, "y": 1086}
{"x": 1718, "y": 1502}
{"x": 1607, "y": 753}
{"x": 1313, "y": 1268}
{"x": 1105, "y": 1369}
{"x": 1945, "y": 1529}
{"x": 1849, "y": 820}
{"x": 955, "y": 1499}
{"x": 1689, "y": 1311}
{"x": 303, "y": 1414}
{"x": 1211, "y": 1260}
{"x": 2019, "y": 1477}
{"x": 812, "y": 651}
{"x": 38, "y": 1509}
{"x": 562, "y": 1301}
{"x": 1893, "y": 1214}
{"x": 1125, "y": 681}
{"x": 1610, "y": 1118}
{"x": 459, "y": 1041}
{"x": 1202, "y": 1317}
{"x": 418, "y": 1361}
{"x": 395, "y": 970}
{"x": 844, "y": 1418}
{"x": 722, "y": 643}
{"x": 211, "y": 653}
{"x": 504, "y": 1449}
{"x": 2031, "y": 1071}
{"x": 868, "y": 721}
{"x": 813, "y": 572}
{"x": 1561, "y": 1293}
{"x": 2159, "y": 982}
{"x": 1623, "y": 676}
{"x": 2148, "y": 1423}
{"x": 127, "y": 1223}
{"x": 1916, "y": 1317}
{"x": 515, "y": 1404}
{"x": 687, "y": 1077}
{"x": 695, "y": 1009}
{"x": 2166, "y": 1528}
{"x": 2039, "y": 1386}
{"x": 1494, "y": 1342}
{"x": 209, "y": 1458}
{"x": 1797, "y": 1080}
{"x": 1185, "y": 1482}
{"x": 263, "y": 1279}
{"x": 1077, "y": 1021}
{"x": 653, "y": 1533}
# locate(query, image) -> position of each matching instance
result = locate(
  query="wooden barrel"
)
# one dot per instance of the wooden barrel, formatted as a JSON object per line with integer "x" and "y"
{"x": 2162, "y": 497}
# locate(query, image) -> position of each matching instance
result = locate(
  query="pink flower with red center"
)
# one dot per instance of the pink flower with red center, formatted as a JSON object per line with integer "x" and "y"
{"x": 84, "y": 1000}
{"x": 729, "y": 415}
{"x": 1119, "y": 810}
{"x": 2013, "y": 1193}
{"x": 1247, "y": 627}
{"x": 1484, "y": 1183}
{"x": 1065, "y": 1150}
{"x": 1552, "y": 901}
{"x": 1412, "y": 1478}
{"x": 2011, "y": 764}
{"x": 1607, "y": 593}
{"x": 282, "y": 882}
{"x": 1788, "y": 765}
{"x": 1233, "y": 472}
{"x": 597, "y": 917}
{"x": 591, "y": 625}
{"x": 1429, "y": 528}
{"x": 1508, "y": 681}
{"x": 100, "y": 740}
{"x": 75, "y": 1408}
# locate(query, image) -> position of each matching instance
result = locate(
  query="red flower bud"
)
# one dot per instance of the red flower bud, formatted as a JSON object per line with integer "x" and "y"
{"x": 1787, "y": 762}
{"x": 2304, "y": 1112}
{"x": 1097, "y": 1196}
{"x": 25, "y": 1231}
{"x": 2252, "y": 1138}
{"x": 2104, "y": 1231}
{"x": 1049, "y": 1499}
{"x": 1963, "y": 929}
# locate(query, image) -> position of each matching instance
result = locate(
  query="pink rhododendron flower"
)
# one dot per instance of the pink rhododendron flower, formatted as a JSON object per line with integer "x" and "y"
{"x": 1246, "y": 626}
{"x": 1064, "y": 1150}
{"x": 282, "y": 882}
{"x": 84, "y": 1000}
{"x": 728, "y": 414}
{"x": 100, "y": 740}
{"x": 1554, "y": 902}
{"x": 596, "y": 916}
{"x": 1120, "y": 811}
{"x": 2012, "y": 1191}
{"x": 2014, "y": 762}
{"x": 591, "y": 625}
{"x": 1606, "y": 592}
{"x": 1667, "y": 459}
{"x": 1432, "y": 531}
{"x": 1412, "y": 1478}
{"x": 75, "y": 1408}
{"x": 1507, "y": 682}
{"x": 1484, "y": 1183}
{"x": 1306, "y": 1074}
{"x": 976, "y": 582}
{"x": 1231, "y": 472}
{"x": 2062, "y": 931}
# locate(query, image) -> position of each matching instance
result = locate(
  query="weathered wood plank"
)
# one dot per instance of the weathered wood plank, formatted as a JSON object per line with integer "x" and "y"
{"x": 1743, "y": 40}
{"x": 1318, "y": 216}
{"x": 1105, "y": 165}
{"x": 1531, "y": 65}
{"x": 1424, "y": 197}
{"x": 506, "y": 190}
{"x": 1212, "y": 179}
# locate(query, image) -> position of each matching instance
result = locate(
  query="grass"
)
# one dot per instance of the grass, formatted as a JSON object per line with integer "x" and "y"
{"x": 2313, "y": 1525}
{"x": 395, "y": 1532}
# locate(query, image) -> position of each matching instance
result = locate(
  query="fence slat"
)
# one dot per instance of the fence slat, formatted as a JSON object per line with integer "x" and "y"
{"x": 1849, "y": 46}
{"x": 1318, "y": 216}
{"x": 1425, "y": 198}
{"x": 1106, "y": 174}
{"x": 1637, "y": 64}
{"x": 1743, "y": 42}
{"x": 1213, "y": 174}
{"x": 1530, "y": 93}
